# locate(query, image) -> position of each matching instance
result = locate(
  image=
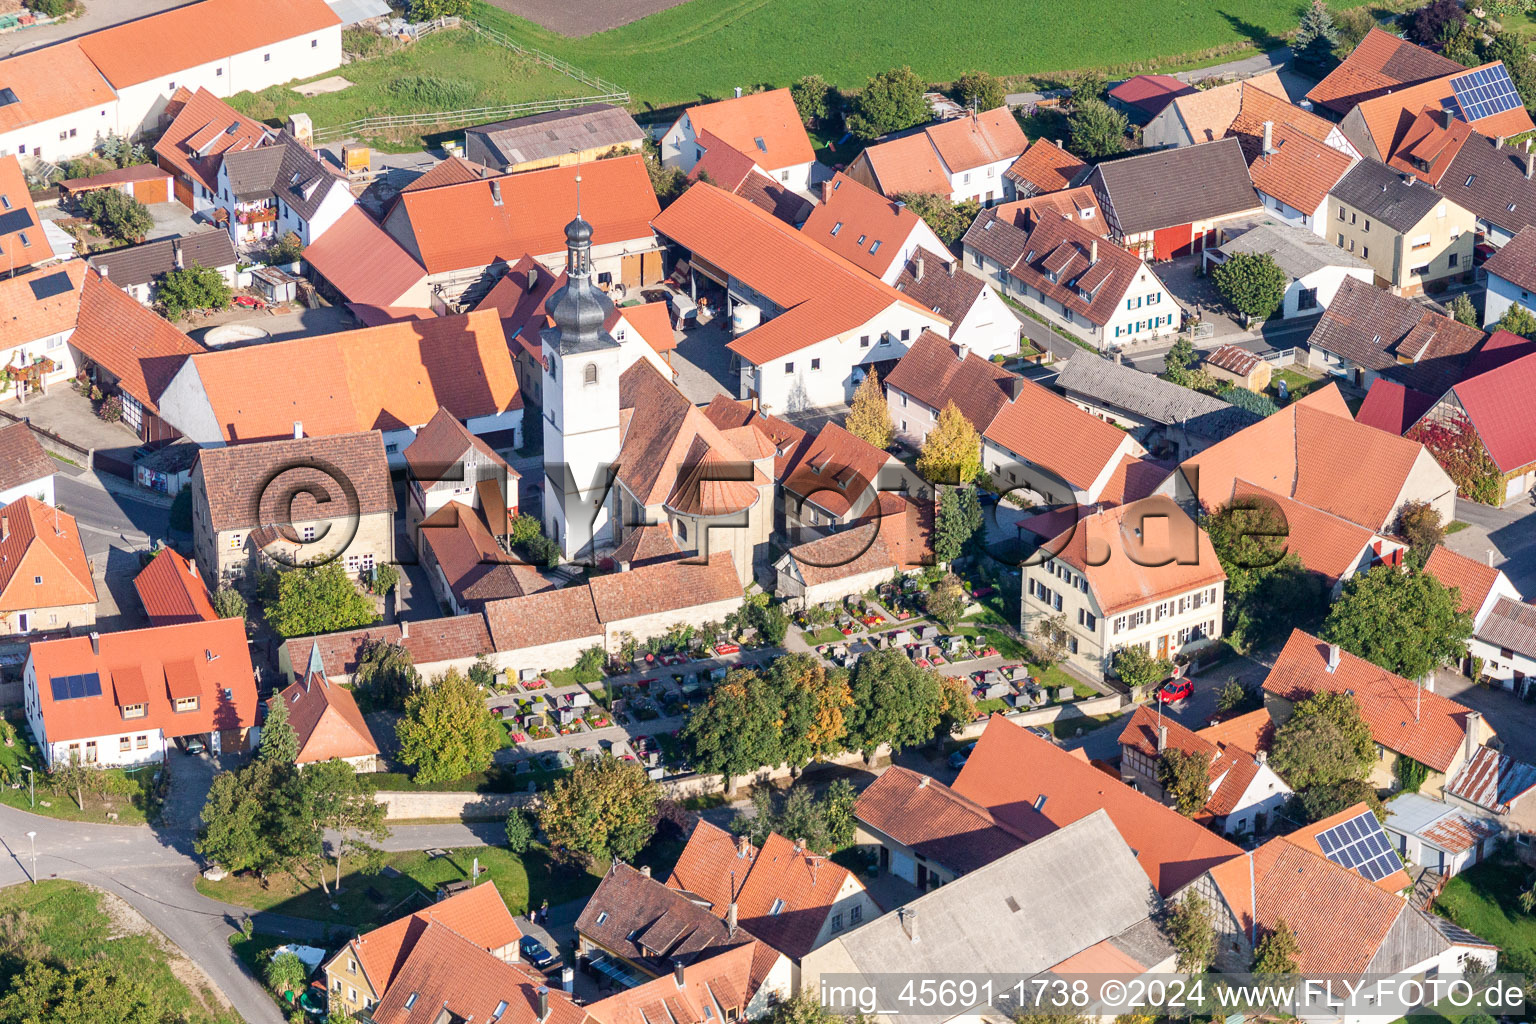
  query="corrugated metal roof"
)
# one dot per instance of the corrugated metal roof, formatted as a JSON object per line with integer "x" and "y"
{"x": 1493, "y": 780}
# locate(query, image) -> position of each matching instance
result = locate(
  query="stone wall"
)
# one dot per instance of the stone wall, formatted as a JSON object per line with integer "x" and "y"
{"x": 464, "y": 806}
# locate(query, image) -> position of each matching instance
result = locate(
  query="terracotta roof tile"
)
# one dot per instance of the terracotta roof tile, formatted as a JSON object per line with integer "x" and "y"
{"x": 1391, "y": 407}
{"x": 17, "y": 217}
{"x": 1074, "y": 204}
{"x": 1074, "y": 267}
{"x": 1133, "y": 479}
{"x": 1050, "y": 431}
{"x": 452, "y": 171}
{"x": 171, "y": 591}
{"x": 860, "y": 224}
{"x": 1326, "y": 544}
{"x": 133, "y": 343}
{"x": 446, "y": 976}
{"x": 907, "y": 164}
{"x": 51, "y": 82}
{"x": 249, "y": 485}
{"x": 934, "y": 821}
{"x": 1306, "y": 838}
{"x": 362, "y": 262}
{"x": 786, "y": 438}
{"x": 651, "y": 925}
{"x": 543, "y": 618}
{"x": 898, "y": 536}
{"x": 22, "y": 459}
{"x": 473, "y": 564}
{"x": 769, "y": 116}
{"x": 477, "y": 916}
{"x": 1045, "y": 167}
{"x": 645, "y": 544}
{"x": 203, "y": 129}
{"x": 1388, "y": 702}
{"x": 710, "y": 988}
{"x": 439, "y": 447}
{"x": 1381, "y": 62}
{"x": 448, "y": 638}
{"x": 339, "y": 652}
{"x": 40, "y": 303}
{"x": 1389, "y": 117}
{"x": 1150, "y": 93}
{"x": 1429, "y": 145}
{"x": 326, "y": 719}
{"x": 664, "y": 587}
{"x": 835, "y": 469}
{"x": 42, "y": 563}
{"x": 933, "y": 373}
{"x": 1013, "y": 773}
{"x": 975, "y": 140}
{"x": 1299, "y": 170}
{"x": 1472, "y": 578}
{"x": 1254, "y": 731}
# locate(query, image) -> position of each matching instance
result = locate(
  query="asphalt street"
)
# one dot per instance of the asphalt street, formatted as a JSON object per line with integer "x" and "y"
{"x": 108, "y": 519}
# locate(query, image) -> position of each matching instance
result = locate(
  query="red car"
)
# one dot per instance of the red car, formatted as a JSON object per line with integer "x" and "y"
{"x": 1175, "y": 690}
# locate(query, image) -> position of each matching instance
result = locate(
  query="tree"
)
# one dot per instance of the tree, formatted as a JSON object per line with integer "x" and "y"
{"x": 812, "y": 702}
{"x": 1190, "y": 927}
{"x": 951, "y": 454}
{"x": 1325, "y": 741}
{"x": 667, "y": 182}
{"x": 770, "y": 621}
{"x": 736, "y": 731}
{"x": 100, "y": 991}
{"x": 519, "y": 830}
{"x": 1419, "y": 522}
{"x": 1517, "y": 320}
{"x": 1252, "y": 282}
{"x": 947, "y": 600}
{"x": 814, "y": 99}
{"x": 1268, "y": 590}
{"x": 1139, "y": 670}
{"x": 1461, "y": 43}
{"x": 386, "y": 672}
{"x": 980, "y": 91}
{"x": 837, "y": 810}
{"x": 894, "y": 702}
{"x": 191, "y": 288}
{"x": 1278, "y": 952}
{"x": 431, "y": 10}
{"x": 248, "y": 817}
{"x": 1096, "y": 129}
{"x": 1462, "y": 310}
{"x": 287, "y": 975}
{"x": 286, "y": 250}
{"x": 1186, "y": 779}
{"x": 1236, "y": 699}
{"x": 382, "y": 578}
{"x": 1512, "y": 50}
{"x": 229, "y": 603}
{"x": 340, "y": 801}
{"x": 1353, "y": 24}
{"x": 958, "y": 519}
{"x": 1427, "y": 25}
{"x": 1316, "y": 36}
{"x": 869, "y": 419}
{"x": 1404, "y": 621}
{"x": 1048, "y": 640}
{"x": 1180, "y": 357}
{"x": 605, "y": 808}
{"x": 50, "y": 8}
{"x": 71, "y": 775}
{"x": 117, "y": 214}
{"x": 1324, "y": 801}
{"x": 889, "y": 102}
{"x": 447, "y": 732}
{"x": 317, "y": 600}
{"x": 948, "y": 220}
{"x": 279, "y": 741}
{"x": 1088, "y": 84}
{"x": 804, "y": 1008}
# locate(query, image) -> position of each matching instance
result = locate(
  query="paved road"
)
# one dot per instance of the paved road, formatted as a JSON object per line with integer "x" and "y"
{"x": 99, "y": 14}
{"x": 109, "y": 519}
{"x": 1509, "y": 533}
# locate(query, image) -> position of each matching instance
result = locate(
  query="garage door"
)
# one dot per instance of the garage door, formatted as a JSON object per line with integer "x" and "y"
{"x": 184, "y": 192}
{"x": 1171, "y": 242}
{"x": 156, "y": 190}
{"x": 903, "y": 867}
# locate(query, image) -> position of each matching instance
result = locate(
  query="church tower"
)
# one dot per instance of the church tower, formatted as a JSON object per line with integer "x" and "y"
{"x": 581, "y": 403}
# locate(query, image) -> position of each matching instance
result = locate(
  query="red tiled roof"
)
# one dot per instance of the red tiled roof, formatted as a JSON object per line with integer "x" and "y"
{"x": 835, "y": 469}
{"x": 1389, "y": 117}
{"x": 1381, "y": 62}
{"x": 452, "y": 171}
{"x": 1299, "y": 170}
{"x": 769, "y": 116}
{"x": 1133, "y": 479}
{"x": 14, "y": 199}
{"x": 42, "y": 563}
{"x": 1045, "y": 167}
{"x": 1075, "y": 204}
{"x": 935, "y": 822}
{"x": 1254, "y": 731}
{"x": 1063, "y": 260}
{"x": 476, "y": 915}
{"x": 543, "y": 618}
{"x": 1429, "y": 145}
{"x": 710, "y": 987}
{"x": 1326, "y": 544}
{"x": 1403, "y": 717}
{"x": 51, "y": 82}
{"x": 171, "y": 591}
{"x": 1050, "y": 431}
{"x": 1150, "y": 93}
{"x": 1472, "y": 578}
{"x": 326, "y": 719}
{"x": 251, "y": 485}
{"x": 860, "y": 224}
{"x": 1305, "y": 838}
{"x": 133, "y": 343}
{"x": 722, "y": 164}
{"x": 729, "y": 415}
{"x": 202, "y": 131}
{"x": 1141, "y": 733}
{"x": 22, "y": 459}
{"x": 362, "y": 262}
{"x": 446, "y": 976}
{"x": 473, "y": 565}
{"x": 210, "y": 660}
{"x": 1012, "y": 773}
{"x": 1392, "y": 407}
{"x": 896, "y": 533}
{"x": 933, "y": 373}
{"x": 651, "y": 320}
{"x": 664, "y": 587}
{"x": 975, "y": 140}
{"x": 1498, "y": 405}
{"x": 25, "y": 318}
{"x": 907, "y": 164}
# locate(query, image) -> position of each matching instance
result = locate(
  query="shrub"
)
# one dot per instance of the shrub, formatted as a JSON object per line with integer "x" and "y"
{"x": 117, "y": 214}
{"x": 285, "y": 250}
{"x": 190, "y": 288}
{"x": 110, "y": 410}
{"x": 229, "y": 604}
{"x": 429, "y": 10}
{"x": 519, "y": 830}
{"x": 433, "y": 91}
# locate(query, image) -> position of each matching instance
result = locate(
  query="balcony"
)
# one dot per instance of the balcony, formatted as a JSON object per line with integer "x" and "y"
{"x": 260, "y": 216}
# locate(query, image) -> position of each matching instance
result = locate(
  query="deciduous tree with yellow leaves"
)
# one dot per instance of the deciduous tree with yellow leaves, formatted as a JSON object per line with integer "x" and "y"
{"x": 952, "y": 452}
{"x": 870, "y": 418}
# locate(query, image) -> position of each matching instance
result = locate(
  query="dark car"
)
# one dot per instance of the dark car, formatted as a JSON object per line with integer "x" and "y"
{"x": 958, "y": 758}
{"x": 1175, "y": 690}
{"x": 534, "y": 951}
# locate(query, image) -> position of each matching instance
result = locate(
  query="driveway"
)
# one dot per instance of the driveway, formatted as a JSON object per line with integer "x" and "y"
{"x": 191, "y": 778}
{"x": 1512, "y": 718}
{"x": 1507, "y": 535}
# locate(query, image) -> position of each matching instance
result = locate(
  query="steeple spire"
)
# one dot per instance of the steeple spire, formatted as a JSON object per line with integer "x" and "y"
{"x": 580, "y": 308}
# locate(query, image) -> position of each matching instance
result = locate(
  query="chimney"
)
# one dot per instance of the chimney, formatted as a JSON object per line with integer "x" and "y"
{"x": 1530, "y": 164}
{"x": 908, "y": 917}
{"x": 1269, "y": 137}
{"x": 799, "y": 847}
{"x": 917, "y": 270}
{"x": 95, "y": 643}
{"x": 1447, "y": 118}
{"x": 1014, "y": 386}
{"x": 192, "y": 569}
{"x": 826, "y": 191}
{"x": 1262, "y": 757}
{"x": 1119, "y": 358}
{"x": 181, "y": 262}
{"x": 543, "y": 994}
{"x": 743, "y": 846}
{"x": 1059, "y": 145}
{"x": 2, "y": 537}
{"x": 1474, "y": 726}
{"x": 533, "y": 278}
{"x": 5, "y": 534}
{"x": 738, "y": 96}
{"x": 1162, "y": 738}
{"x": 677, "y": 965}
{"x": 1093, "y": 251}
{"x": 645, "y": 869}
{"x": 405, "y": 629}
{"x": 949, "y": 267}
{"x": 496, "y": 192}
{"x": 1333, "y": 657}
{"x": 298, "y": 430}
{"x": 1498, "y": 142}
{"x": 730, "y": 919}
{"x": 963, "y": 351}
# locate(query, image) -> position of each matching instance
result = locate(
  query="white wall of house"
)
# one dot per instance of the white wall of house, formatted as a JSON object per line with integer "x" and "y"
{"x": 337, "y": 201}
{"x": 1426, "y": 854}
{"x": 41, "y": 489}
{"x": 60, "y": 138}
{"x": 983, "y": 184}
{"x": 1503, "y": 293}
{"x": 1313, "y": 221}
{"x": 144, "y": 745}
{"x": 55, "y": 347}
{"x": 989, "y": 327}
{"x": 1310, "y": 295}
{"x": 1511, "y": 669}
{"x": 680, "y": 148}
{"x": 1266, "y": 795}
{"x": 1011, "y": 469}
{"x": 1144, "y": 310}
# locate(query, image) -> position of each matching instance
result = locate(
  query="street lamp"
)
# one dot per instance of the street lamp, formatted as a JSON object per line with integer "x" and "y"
{"x": 32, "y": 836}
{"x": 31, "y": 783}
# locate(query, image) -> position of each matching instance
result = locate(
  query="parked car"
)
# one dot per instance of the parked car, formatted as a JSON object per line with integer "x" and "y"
{"x": 534, "y": 951}
{"x": 1175, "y": 690}
{"x": 958, "y": 758}
{"x": 1044, "y": 734}
{"x": 193, "y": 745}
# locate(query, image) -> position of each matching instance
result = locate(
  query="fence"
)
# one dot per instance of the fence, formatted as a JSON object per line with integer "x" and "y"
{"x": 607, "y": 92}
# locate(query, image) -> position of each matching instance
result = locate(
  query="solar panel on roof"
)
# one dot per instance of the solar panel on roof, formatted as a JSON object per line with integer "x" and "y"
{"x": 76, "y": 686}
{"x": 1484, "y": 93}
{"x": 15, "y": 220}
{"x": 1361, "y": 845}
{"x": 53, "y": 284}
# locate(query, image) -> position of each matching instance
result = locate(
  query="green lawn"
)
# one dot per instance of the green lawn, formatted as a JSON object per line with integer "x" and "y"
{"x": 825, "y": 635}
{"x": 67, "y": 923}
{"x": 1298, "y": 384}
{"x": 1456, "y": 527}
{"x": 1485, "y": 900}
{"x": 1066, "y": 728}
{"x": 704, "y": 48}
{"x": 1006, "y": 645}
{"x": 129, "y": 794}
{"x": 367, "y": 901}
{"x": 452, "y": 69}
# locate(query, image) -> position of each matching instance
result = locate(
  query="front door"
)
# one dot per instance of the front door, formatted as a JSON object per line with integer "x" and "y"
{"x": 24, "y": 621}
{"x": 1162, "y": 647}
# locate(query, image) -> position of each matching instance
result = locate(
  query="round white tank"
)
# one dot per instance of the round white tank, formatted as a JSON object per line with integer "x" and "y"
{"x": 745, "y": 317}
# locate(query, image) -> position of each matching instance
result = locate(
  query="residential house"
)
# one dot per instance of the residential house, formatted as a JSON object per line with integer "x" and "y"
{"x": 123, "y": 698}
{"x": 300, "y": 501}
{"x": 1245, "y": 796}
{"x": 364, "y": 971}
{"x": 46, "y": 582}
{"x": 936, "y": 372}
{"x": 1380, "y": 64}
{"x": 1371, "y": 861}
{"x": 172, "y": 591}
{"x": 870, "y": 231}
{"x": 1143, "y": 97}
{"x": 553, "y": 139}
{"x": 764, "y": 126}
{"x": 925, "y": 833}
{"x": 1314, "y": 268}
{"x": 1021, "y": 778}
{"x": 359, "y": 264}
{"x": 1493, "y": 782}
{"x": 464, "y": 232}
{"x": 1434, "y": 835}
{"x": 1084, "y": 284}
{"x": 448, "y": 977}
{"x": 1482, "y": 174}
{"x": 895, "y": 535}
{"x": 1312, "y": 451}
{"x": 138, "y": 269}
{"x": 1483, "y": 97}
{"x": 979, "y": 319}
{"x": 961, "y": 158}
{"x": 1153, "y": 581}
{"x": 26, "y": 470}
{"x": 1511, "y": 277}
{"x": 1344, "y": 924}
{"x": 43, "y": 308}
{"x": 446, "y": 464}
{"x": 1330, "y": 546}
{"x": 1482, "y": 588}
{"x": 1167, "y": 420}
{"x": 202, "y": 129}
{"x": 1406, "y": 719}
{"x": 1187, "y": 116}
{"x": 1369, "y": 334}
{"x": 278, "y": 189}
{"x": 22, "y": 241}
{"x": 326, "y": 721}
{"x": 730, "y": 169}
{"x": 1422, "y": 239}
{"x": 1083, "y": 907}
{"x": 391, "y": 378}
{"x": 55, "y": 103}
{"x": 794, "y": 899}
{"x": 832, "y": 481}
{"x": 743, "y": 983}
{"x": 1173, "y": 201}
{"x": 807, "y": 322}
{"x": 1294, "y": 159}
{"x": 1044, "y": 167}
{"x": 1476, "y": 415}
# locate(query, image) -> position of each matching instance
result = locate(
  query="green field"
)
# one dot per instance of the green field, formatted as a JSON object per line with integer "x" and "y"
{"x": 704, "y": 48}
{"x": 453, "y": 69}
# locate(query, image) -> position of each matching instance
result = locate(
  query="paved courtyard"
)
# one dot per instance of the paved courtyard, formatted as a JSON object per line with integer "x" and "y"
{"x": 1507, "y": 535}
{"x": 703, "y": 363}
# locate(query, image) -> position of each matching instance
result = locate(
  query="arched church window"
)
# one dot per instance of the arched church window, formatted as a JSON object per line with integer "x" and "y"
{"x": 589, "y": 375}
